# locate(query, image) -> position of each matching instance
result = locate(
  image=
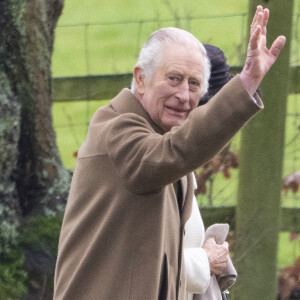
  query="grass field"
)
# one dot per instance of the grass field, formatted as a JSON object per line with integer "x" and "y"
{"x": 105, "y": 38}
{"x": 97, "y": 37}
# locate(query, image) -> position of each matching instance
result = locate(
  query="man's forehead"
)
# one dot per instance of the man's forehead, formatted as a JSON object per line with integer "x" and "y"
{"x": 181, "y": 62}
{"x": 182, "y": 54}
{"x": 197, "y": 73}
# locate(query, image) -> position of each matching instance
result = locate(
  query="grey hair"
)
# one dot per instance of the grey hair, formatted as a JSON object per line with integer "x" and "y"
{"x": 150, "y": 56}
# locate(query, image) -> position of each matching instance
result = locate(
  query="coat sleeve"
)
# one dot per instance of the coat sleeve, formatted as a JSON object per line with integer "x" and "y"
{"x": 195, "y": 258}
{"x": 147, "y": 161}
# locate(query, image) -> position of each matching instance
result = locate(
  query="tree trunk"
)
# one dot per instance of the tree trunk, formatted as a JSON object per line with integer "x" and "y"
{"x": 33, "y": 182}
{"x": 32, "y": 177}
{"x": 260, "y": 174}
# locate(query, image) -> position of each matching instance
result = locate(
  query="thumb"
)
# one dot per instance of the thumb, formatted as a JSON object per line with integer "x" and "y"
{"x": 226, "y": 245}
{"x": 277, "y": 46}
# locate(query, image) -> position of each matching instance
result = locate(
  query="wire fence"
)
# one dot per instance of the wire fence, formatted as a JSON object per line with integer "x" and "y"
{"x": 112, "y": 47}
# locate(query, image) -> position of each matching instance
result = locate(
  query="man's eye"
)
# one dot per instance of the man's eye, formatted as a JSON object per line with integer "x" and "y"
{"x": 174, "y": 80}
{"x": 194, "y": 82}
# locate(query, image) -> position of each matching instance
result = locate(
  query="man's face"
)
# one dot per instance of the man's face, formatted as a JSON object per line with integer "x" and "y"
{"x": 175, "y": 87}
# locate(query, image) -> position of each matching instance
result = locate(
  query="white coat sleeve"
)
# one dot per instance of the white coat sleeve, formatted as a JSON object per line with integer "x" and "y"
{"x": 197, "y": 270}
{"x": 195, "y": 258}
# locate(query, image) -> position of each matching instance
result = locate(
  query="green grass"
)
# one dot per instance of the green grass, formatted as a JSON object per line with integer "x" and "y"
{"x": 96, "y": 37}
{"x": 71, "y": 121}
{"x": 288, "y": 250}
{"x": 91, "y": 11}
{"x": 91, "y": 40}
{"x": 110, "y": 43}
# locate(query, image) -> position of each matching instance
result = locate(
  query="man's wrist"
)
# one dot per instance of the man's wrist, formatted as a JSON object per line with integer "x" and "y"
{"x": 249, "y": 86}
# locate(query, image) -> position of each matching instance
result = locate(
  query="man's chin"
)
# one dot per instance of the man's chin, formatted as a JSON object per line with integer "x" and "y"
{"x": 177, "y": 122}
{"x": 171, "y": 124}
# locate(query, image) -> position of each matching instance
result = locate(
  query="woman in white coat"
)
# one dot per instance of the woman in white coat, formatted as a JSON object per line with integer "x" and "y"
{"x": 202, "y": 260}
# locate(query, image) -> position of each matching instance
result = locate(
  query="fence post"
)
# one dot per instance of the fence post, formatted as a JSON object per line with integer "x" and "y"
{"x": 260, "y": 175}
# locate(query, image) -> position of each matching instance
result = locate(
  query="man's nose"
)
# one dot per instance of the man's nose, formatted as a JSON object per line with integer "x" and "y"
{"x": 184, "y": 92}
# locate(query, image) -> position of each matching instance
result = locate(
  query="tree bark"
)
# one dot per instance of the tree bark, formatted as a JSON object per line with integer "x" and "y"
{"x": 32, "y": 177}
{"x": 260, "y": 174}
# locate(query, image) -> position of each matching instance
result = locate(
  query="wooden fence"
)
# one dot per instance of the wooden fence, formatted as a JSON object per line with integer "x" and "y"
{"x": 100, "y": 87}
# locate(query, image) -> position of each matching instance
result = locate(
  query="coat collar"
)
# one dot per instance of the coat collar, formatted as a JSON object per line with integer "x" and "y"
{"x": 126, "y": 102}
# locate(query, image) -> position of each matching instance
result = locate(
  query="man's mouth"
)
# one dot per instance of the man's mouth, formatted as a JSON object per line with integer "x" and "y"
{"x": 176, "y": 111}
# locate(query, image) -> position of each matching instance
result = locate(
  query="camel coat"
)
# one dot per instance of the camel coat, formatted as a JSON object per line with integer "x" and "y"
{"x": 123, "y": 227}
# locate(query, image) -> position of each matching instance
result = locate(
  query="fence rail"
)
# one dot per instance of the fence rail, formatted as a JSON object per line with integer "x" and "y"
{"x": 99, "y": 87}
{"x": 290, "y": 217}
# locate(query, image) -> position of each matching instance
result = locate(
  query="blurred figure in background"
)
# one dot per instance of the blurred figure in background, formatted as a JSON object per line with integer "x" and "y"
{"x": 204, "y": 260}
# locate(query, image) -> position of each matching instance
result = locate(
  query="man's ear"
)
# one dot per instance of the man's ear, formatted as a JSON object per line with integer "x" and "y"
{"x": 139, "y": 79}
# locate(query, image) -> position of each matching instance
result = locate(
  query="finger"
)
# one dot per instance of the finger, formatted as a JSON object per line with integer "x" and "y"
{"x": 260, "y": 19}
{"x": 254, "y": 39}
{"x": 209, "y": 244}
{"x": 210, "y": 240}
{"x": 266, "y": 14}
{"x": 222, "y": 260}
{"x": 263, "y": 41}
{"x": 259, "y": 8}
{"x": 254, "y": 21}
{"x": 259, "y": 22}
{"x": 220, "y": 268}
{"x": 277, "y": 46}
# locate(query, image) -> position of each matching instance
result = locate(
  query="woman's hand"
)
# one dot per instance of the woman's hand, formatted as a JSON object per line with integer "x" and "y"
{"x": 217, "y": 255}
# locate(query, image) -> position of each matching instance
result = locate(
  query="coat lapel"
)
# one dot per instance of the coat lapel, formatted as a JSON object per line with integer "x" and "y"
{"x": 188, "y": 193}
{"x": 184, "y": 188}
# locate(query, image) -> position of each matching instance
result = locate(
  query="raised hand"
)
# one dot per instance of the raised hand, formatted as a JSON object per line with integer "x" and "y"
{"x": 259, "y": 58}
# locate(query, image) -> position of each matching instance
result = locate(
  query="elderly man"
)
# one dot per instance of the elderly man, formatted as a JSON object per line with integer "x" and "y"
{"x": 132, "y": 188}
